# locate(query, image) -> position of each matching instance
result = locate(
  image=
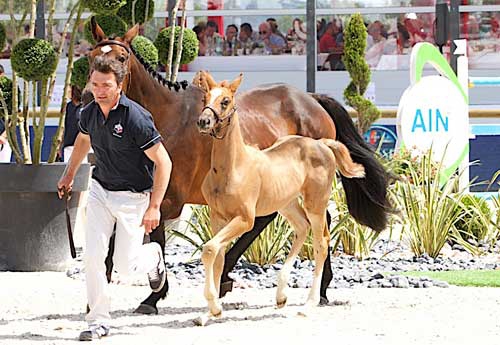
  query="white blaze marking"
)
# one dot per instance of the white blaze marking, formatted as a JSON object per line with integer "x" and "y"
{"x": 214, "y": 94}
{"x": 106, "y": 49}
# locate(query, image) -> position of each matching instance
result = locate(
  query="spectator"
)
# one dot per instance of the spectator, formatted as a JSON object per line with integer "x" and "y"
{"x": 274, "y": 28}
{"x": 199, "y": 30}
{"x": 273, "y": 44}
{"x": 231, "y": 39}
{"x": 375, "y": 30}
{"x": 247, "y": 38}
{"x": 213, "y": 38}
{"x": 5, "y": 150}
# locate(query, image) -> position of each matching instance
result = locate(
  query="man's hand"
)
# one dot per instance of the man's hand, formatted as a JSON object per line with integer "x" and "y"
{"x": 65, "y": 184}
{"x": 3, "y": 140}
{"x": 151, "y": 219}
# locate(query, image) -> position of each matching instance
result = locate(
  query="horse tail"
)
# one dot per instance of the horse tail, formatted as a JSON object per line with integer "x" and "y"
{"x": 345, "y": 164}
{"x": 367, "y": 197}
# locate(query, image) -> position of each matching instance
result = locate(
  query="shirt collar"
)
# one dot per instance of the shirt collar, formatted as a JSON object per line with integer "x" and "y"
{"x": 123, "y": 100}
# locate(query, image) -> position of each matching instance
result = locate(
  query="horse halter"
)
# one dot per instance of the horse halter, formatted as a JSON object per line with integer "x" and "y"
{"x": 120, "y": 44}
{"x": 220, "y": 122}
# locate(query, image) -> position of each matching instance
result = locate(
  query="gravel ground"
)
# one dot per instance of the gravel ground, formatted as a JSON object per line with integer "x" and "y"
{"x": 47, "y": 308}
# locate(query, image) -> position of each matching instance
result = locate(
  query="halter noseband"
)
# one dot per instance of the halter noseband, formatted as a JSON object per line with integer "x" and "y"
{"x": 220, "y": 121}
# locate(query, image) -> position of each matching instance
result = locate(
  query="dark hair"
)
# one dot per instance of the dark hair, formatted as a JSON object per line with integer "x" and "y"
{"x": 212, "y": 24}
{"x": 232, "y": 26}
{"x": 1, "y": 69}
{"x": 104, "y": 64}
{"x": 246, "y": 27}
{"x": 76, "y": 94}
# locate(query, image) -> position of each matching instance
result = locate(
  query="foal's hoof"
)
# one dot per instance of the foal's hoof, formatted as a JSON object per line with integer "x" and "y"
{"x": 203, "y": 319}
{"x": 146, "y": 309}
{"x": 281, "y": 303}
{"x": 323, "y": 301}
{"x": 226, "y": 287}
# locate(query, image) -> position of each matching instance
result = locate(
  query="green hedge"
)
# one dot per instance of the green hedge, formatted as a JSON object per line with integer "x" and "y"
{"x": 125, "y": 12}
{"x": 112, "y": 25}
{"x": 80, "y": 72}
{"x": 6, "y": 87}
{"x": 189, "y": 45}
{"x": 33, "y": 59}
{"x": 146, "y": 49}
{"x": 104, "y": 6}
{"x": 3, "y": 36}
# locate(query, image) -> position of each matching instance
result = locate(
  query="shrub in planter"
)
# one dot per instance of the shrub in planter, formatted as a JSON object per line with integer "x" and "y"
{"x": 112, "y": 25}
{"x": 3, "y": 36}
{"x": 189, "y": 44}
{"x": 474, "y": 218}
{"x": 104, "y": 6}
{"x": 33, "y": 59}
{"x": 146, "y": 49}
{"x": 140, "y": 17}
{"x": 80, "y": 72}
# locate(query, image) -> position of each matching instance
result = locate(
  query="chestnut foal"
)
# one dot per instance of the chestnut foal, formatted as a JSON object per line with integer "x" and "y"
{"x": 243, "y": 183}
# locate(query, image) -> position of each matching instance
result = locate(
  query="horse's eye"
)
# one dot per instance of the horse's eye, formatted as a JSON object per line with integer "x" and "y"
{"x": 225, "y": 102}
{"x": 121, "y": 58}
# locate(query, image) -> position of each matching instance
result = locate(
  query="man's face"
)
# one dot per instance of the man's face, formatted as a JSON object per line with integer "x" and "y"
{"x": 104, "y": 88}
{"x": 230, "y": 33}
{"x": 264, "y": 31}
{"x": 243, "y": 35}
{"x": 210, "y": 31}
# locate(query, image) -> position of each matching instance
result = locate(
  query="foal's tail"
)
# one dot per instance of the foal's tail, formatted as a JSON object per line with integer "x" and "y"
{"x": 345, "y": 164}
{"x": 366, "y": 197}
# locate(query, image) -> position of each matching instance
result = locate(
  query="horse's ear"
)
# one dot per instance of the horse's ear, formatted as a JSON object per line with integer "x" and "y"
{"x": 131, "y": 34}
{"x": 236, "y": 83}
{"x": 96, "y": 30}
{"x": 210, "y": 81}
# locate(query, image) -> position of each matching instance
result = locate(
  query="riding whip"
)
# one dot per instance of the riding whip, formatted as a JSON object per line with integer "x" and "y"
{"x": 67, "y": 197}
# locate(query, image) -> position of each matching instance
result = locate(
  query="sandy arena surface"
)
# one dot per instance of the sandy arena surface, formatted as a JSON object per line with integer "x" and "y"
{"x": 47, "y": 308}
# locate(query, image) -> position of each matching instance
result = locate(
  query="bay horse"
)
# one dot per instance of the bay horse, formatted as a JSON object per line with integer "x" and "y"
{"x": 244, "y": 182}
{"x": 268, "y": 112}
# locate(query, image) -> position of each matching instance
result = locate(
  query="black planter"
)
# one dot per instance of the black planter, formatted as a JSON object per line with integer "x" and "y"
{"x": 33, "y": 232}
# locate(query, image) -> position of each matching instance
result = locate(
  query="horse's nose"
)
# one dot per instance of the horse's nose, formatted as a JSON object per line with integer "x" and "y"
{"x": 203, "y": 123}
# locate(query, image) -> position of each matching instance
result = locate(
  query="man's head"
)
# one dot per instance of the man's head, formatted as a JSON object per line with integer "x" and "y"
{"x": 245, "y": 31}
{"x": 211, "y": 28}
{"x": 2, "y": 71}
{"x": 264, "y": 30}
{"x": 231, "y": 32}
{"x": 106, "y": 80}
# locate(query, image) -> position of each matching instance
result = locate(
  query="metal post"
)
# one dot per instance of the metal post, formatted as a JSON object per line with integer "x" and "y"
{"x": 311, "y": 45}
{"x": 454, "y": 31}
{"x": 39, "y": 33}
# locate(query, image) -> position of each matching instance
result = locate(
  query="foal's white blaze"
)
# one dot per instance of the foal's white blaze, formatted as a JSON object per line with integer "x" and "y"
{"x": 214, "y": 94}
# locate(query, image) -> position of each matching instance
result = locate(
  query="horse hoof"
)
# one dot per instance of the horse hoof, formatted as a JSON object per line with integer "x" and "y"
{"x": 146, "y": 309}
{"x": 281, "y": 304}
{"x": 226, "y": 287}
{"x": 323, "y": 301}
{"x": 201, "y": 320}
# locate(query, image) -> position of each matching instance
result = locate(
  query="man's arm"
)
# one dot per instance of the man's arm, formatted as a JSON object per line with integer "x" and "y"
{"x": 163, "y": 167}
{"x": 82, "y": 147}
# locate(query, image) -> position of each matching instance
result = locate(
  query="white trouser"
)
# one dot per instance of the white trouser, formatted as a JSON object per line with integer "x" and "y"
{"x": 5, "y": 153}
{"x": 68, "y": 151}
{"x": 131, "y": 256}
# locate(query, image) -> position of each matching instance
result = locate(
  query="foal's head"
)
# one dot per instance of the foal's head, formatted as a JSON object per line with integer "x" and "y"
{"x": 219, "y": 105}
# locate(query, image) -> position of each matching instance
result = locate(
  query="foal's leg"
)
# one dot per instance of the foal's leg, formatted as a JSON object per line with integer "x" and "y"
{"x": 321, "y": 238}
{"x": 211, "y": 249}
{"x": 239, "y": 248}
{"x": 296, "y": 216}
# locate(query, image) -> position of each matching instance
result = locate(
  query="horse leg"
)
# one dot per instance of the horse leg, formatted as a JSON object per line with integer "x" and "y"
{"x": 321, "y": 238}
{"x": 239, "y": 248}
{"x": 211, "y": 250}
{"x": 296, "y": 216}
{"x": 327, "y": 275}
{"x": 148, "y": 306}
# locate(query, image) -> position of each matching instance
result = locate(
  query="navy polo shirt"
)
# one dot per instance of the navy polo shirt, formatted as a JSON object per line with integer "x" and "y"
{"x": 119, "y": 143}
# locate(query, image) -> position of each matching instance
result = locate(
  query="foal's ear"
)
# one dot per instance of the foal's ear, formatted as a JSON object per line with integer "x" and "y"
{"x": 236, "y": 83}
{"x": 210, "y": 80}
{"x": 96, "y": 30}
{"x": 131, "y": 34}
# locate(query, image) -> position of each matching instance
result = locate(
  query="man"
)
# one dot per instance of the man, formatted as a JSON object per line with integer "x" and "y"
{"x": 273, "y": 43}
{"x": 247, "y": 38}
{"x": 129, "y": 181}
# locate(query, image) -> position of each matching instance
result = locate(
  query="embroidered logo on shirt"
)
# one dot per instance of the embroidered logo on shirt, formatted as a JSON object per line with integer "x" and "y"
{"x": 118, "y": 130}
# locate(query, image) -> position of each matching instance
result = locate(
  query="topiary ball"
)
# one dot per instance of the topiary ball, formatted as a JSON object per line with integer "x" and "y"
{"x": 104, "y": 6}
{"x": 33, "y": 59}
{"x": 80, "y": 73}
{"x": 125, "y": 12}
{"x": 6, "y": 88}
{"x": 112, "y": 25}
{"x": 3, "y": 36}
{"x": 189, "y": 45}
{"x": 146, "y": 50}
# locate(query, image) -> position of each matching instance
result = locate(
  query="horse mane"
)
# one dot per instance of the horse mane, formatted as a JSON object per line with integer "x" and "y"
{"x": 157, "y": 76}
